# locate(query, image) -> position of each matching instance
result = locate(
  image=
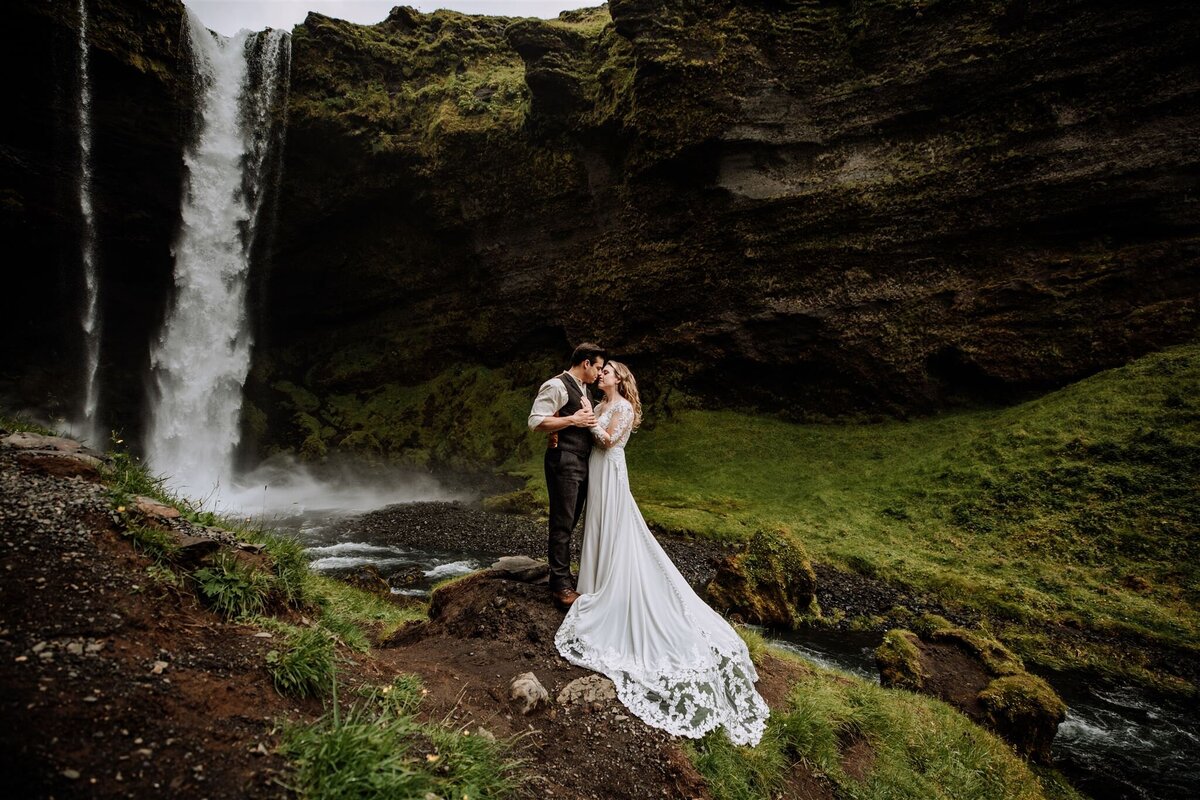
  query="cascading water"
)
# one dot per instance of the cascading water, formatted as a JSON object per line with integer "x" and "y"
{"x": 202, "y": 356}
{"x": 91, "y": 310}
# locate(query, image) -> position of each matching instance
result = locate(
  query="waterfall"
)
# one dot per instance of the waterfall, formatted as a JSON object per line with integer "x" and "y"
{"x": 202, "y": 355}
{"x": 91, "y": 310}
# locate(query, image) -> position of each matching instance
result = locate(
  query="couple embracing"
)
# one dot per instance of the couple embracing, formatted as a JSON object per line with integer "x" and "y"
{"x": 675, "y": 663}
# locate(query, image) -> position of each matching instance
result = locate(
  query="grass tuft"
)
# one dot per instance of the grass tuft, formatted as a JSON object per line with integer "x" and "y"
{"x": 233, "y": 589}
{"x": 303, "y": 666}
{"x": 378, "y": 749}
{"x": 158, "y": 544}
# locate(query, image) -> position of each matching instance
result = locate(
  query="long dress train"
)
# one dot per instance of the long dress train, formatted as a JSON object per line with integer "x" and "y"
{"x": 676, "y": 663}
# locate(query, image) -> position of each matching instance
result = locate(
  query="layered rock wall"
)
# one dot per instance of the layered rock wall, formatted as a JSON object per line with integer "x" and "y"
{"x": 830, "y": 207}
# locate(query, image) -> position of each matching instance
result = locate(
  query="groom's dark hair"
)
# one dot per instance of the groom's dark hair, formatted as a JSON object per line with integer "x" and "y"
{"x": 588, "y": 352}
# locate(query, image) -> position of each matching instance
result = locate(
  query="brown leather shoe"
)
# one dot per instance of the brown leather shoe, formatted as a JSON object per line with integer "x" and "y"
{"x": 564, "y": 597}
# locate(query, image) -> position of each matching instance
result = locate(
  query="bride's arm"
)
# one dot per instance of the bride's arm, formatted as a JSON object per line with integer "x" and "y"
{"x": 622, "y": 418}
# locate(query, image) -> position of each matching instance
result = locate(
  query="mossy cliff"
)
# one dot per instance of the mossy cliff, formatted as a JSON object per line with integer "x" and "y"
{"x": 879, "y": 207}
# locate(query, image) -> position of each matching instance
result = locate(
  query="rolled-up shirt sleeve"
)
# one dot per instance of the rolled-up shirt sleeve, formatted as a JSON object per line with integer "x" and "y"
{"x": 550, "y": 398}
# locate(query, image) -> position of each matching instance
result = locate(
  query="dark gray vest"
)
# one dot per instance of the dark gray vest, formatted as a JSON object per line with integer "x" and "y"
{"x": 577, "y": 440}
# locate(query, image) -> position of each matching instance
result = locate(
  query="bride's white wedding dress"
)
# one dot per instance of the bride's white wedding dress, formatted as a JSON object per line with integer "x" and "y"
{"x": 676, "y": 663}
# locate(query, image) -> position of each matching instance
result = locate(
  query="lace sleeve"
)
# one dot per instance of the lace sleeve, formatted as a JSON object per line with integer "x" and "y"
{"x": 618, "y": 424}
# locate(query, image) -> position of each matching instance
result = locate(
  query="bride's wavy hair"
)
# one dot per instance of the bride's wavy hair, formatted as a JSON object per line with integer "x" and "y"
{"x": 627, "y": 388}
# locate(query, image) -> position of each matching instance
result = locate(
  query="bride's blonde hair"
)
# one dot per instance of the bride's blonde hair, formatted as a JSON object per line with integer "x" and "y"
{"x": 627, "y": 388}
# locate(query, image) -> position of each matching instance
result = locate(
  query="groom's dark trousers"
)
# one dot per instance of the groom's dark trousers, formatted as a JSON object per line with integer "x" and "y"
{"x": 566, "y": 480}
{"x": 566, "y": 483}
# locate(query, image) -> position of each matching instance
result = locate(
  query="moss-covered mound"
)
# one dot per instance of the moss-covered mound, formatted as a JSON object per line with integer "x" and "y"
{"x": 978, "y": 675}
{"x": 899, "y": 661}
{"x": 1026, "y": 711}
{"x": 770, "y": 583}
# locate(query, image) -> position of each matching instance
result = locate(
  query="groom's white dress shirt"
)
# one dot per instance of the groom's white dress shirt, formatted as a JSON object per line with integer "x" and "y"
{"x": 550, "y": 398}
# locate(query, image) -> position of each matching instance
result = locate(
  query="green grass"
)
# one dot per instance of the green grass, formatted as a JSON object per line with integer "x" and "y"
{"x": 357, "y": 617}
{"x": 233, "y": 589}
{"x": 378, "y": 748}
{"x": 157, "y": 544}
{"x": 1079, "y": 509}
{"x": 303, "y": 663}
{"x": 920, "y": 749}
{"x": 18, "y": 423}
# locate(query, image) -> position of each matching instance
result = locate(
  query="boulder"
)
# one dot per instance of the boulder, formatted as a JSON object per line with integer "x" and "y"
{"x": 527, "y": 692}
{"x": 1026, "y": 711}
{"x": 368, "y": 578}
{"x": 522, "y": 568}
{"x": 192, "y": 550}
{"x": 24, "y": 440}
{"x": 149, "y": 507}
{"x": 771, "y": 582}
{"x": 61, "y": 464}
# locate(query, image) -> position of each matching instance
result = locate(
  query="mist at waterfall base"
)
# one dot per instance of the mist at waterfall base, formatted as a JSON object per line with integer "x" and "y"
{"x": 287, "y": 494}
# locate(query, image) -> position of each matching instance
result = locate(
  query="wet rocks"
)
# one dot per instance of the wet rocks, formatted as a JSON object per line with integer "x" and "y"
{"x": 464, "y": 528}
{"x": 368, "y": 578}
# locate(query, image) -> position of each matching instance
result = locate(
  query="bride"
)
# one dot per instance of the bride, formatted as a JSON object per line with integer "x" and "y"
{"x": 676, "y": 663}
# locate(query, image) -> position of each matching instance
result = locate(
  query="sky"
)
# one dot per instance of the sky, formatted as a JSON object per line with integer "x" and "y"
{"x": 229, "y": 16}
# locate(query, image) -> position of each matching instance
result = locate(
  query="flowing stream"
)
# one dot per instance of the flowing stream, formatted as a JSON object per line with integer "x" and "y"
{"x": 91, "y": 308}
{"x": 1115, "y": 742}
{"x": 202, "y": 355}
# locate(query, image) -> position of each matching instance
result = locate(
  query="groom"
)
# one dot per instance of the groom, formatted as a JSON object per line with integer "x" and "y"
{"x": 563, "y": 410}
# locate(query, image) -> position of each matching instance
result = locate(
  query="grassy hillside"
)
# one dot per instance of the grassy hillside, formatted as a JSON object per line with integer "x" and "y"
{"x": 1076, "y": 511}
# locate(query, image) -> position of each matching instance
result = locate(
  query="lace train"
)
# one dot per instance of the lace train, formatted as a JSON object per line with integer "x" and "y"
{"x": 683, "y": 702}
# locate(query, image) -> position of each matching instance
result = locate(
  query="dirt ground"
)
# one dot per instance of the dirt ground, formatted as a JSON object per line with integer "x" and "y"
{"x": 114, "y": 685}
{"x": 110, "y": 685}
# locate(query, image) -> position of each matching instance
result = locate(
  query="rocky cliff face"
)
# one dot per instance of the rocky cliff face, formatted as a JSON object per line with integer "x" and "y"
{"x": 860, "y": 206}
{"x": 141, "y": 99}
{"x": 875, "y": 206}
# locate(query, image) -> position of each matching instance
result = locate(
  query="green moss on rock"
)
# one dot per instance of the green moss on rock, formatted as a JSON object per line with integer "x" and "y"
{"x": 1026, "y": 711}
{"x": 1020, "y": 707}
{"x": 997, "y": 659}
{"x": 899, "y": 661}
{"x": 770, "y": 583}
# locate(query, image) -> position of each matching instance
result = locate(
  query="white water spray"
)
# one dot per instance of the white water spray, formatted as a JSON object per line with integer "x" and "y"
{"x": 202, "y": 356}
{"x": 91, "y": 310}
